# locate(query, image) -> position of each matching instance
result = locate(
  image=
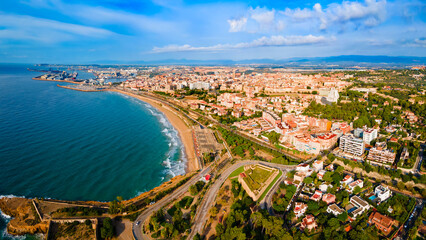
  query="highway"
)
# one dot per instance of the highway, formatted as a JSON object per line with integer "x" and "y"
{"x": 210, "y": 196}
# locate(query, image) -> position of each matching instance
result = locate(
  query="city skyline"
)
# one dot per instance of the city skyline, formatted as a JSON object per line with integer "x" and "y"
{"x": 92, "y": 31}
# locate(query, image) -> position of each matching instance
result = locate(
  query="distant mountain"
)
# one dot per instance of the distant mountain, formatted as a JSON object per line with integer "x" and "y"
{"x": 340, "y": 60}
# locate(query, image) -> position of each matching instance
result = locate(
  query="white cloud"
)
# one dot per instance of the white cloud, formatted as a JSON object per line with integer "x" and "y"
{"x": 263, "y": 16}
{"x": 420, "y": 42}
{"x": 237, "y": 25}
{"x": 22, "y": 27}
{"x": 260, "y": 42}
{"x": 370, "y": 13}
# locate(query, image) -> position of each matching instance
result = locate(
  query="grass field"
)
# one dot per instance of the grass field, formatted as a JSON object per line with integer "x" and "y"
{"x": 237, "y": 172}
{"x": 270, "y": 186}
{"x": 257, "y": 176}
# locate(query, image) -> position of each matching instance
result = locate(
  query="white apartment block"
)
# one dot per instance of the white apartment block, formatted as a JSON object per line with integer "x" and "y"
{"x": 350, "y": 144}
{"x": 369, "y": 135}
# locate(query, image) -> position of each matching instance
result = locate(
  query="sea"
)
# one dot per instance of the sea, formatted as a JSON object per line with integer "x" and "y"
{"x": 64, "y": 144}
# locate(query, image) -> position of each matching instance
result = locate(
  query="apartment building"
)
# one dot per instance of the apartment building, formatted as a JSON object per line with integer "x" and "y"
{"x": 382, "y": 156}
{"x": 350, "y": 144}
{"x": 369, "y": 135}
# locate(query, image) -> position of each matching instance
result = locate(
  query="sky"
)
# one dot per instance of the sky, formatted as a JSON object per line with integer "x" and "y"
{"x": 93, "y": 31}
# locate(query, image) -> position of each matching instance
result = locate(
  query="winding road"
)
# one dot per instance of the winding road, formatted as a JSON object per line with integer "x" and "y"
{"x": 208, "y": 200}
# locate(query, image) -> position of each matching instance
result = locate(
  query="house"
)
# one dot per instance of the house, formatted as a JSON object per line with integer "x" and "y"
{"x": 330, "y": 167}
{"x": 360, "y": 204}
{"x": 324, "y": 187}
{"x": 334, "y": 209}
{"x": 382, "y": 192}
{"x": 317, "y": 196}
{"x": 382, "y": 222}
{"x": 321, "y": 174}
{"x": 300, "y": 209}
{"x": 302, "y": 167}
{"x": 318, "y": 165}
{"x": 358, "y": 183}
{"x": 308, "y": 222}
{"x": 329, "y": 198}
{"x": 346, "y": 180}
{"x": 299, "y": 176}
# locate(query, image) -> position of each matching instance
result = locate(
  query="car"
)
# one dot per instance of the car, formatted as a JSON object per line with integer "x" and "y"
{"x": 138, "y": 222}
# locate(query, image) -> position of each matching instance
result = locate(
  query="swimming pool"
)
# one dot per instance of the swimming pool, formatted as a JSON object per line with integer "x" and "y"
{"x": 373, "y": 197}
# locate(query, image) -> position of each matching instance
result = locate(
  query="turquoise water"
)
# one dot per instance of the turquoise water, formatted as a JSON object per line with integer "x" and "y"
{"x": 64, "y": 144}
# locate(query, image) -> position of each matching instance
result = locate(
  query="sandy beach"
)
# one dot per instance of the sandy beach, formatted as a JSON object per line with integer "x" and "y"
{"x": 178, "y": 122}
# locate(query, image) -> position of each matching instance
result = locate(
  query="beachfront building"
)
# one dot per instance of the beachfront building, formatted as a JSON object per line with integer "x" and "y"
{"x": 382, "y": 222}
{"x": 350, "y": 144}
{"x": 381, "y": 156}
{"x": 335, "y": 210}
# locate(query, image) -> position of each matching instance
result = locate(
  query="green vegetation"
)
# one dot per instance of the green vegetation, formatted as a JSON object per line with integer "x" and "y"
{"x": 107, "y": 229}
{"x": 281, "y": 200}
{"x": 270, "y": 186}
{"x": 196, "y": 188}
{"x": 256, "y": 177}
{"x": 237, "y": 172}
{"x": 80, "y": 211}
{"x": 243, "y": 147}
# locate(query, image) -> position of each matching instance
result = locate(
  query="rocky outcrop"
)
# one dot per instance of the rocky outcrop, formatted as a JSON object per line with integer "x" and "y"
{"x": 24, "y": 217}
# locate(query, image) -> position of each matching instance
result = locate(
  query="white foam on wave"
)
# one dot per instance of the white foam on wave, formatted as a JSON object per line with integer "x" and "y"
{"x": 175, "y": 160}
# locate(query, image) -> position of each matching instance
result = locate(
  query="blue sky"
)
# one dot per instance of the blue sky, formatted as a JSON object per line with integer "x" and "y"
{"x": 77, "y": 31}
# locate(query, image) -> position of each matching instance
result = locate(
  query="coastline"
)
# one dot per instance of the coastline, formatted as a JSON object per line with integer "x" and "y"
{"x": 185, "y": 132}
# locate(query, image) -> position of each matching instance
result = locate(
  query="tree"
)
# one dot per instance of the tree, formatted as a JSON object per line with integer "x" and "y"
{"x": 308, "y": 180}
{"x": 327, "y": 176}
{"x": 357, "y": 190}
{"x": 400, "y": 185}
{"x": 197, "y": 237}
{"x": 343, "y": 216}
{"x": 107, "y": 230}
{"x": 213, "y": 211}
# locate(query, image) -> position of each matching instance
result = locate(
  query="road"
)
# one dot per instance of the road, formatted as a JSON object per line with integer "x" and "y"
{"x": 210, "y": 196}
{"x": 266, "y": 203}
{"x": 137, "y": 228}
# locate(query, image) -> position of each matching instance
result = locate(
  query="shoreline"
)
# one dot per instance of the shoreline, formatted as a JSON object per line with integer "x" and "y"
{"x": 175, "y": 119}
{"x": 185, "y": 132}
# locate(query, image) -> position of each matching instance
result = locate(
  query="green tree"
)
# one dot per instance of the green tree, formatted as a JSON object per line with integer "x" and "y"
{"x": 107, "y": 229}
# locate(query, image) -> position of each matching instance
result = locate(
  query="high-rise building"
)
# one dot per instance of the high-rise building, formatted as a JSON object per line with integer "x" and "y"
{"x": 351, "y": 144}
{"x": 369, "y": 135}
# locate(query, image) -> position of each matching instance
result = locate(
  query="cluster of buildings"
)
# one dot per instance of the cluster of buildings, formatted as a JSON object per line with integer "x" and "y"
{"x": 354, "y": 208}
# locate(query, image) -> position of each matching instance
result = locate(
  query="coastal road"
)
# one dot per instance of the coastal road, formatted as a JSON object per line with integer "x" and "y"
{"x": 137, "y": 228}
{"x": 211, "y": 194}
